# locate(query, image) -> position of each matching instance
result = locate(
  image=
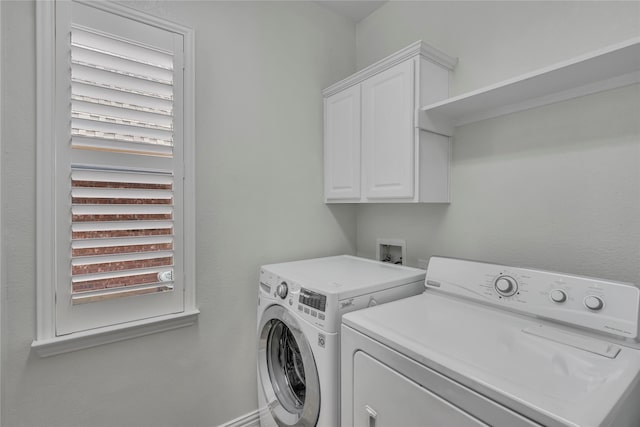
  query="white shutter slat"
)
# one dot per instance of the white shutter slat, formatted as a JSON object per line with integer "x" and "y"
{"x": 80, "y": 60}
{"x": 122, "y": 175}
{"x": 114, "y": 277}
{"x": 165, "y": 226}
{"x": 112, "y": 143}
{"x": 138, "y": 196}
{"x": 103, "y": 295}
{"x": 121, "y": 47}
{"x": 123, "y": 83}
{"x": 156, "y": 212}
{"x": 92, "y": 58}
{"x": 152, "y": 119}
{"x": 96, "y": 94}
{"x": 119, "y": 258}
{"x": 120, "y": 241}
{"x": 96, "y": 115}
{"x": 101, "y": 127}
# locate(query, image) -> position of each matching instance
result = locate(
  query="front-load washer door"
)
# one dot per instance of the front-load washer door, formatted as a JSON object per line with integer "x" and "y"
{"x": 287, "y": 370}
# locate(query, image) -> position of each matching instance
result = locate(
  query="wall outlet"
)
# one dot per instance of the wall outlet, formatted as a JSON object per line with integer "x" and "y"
{"x": 423, "y": 263}
{"x": 393, "y": 251}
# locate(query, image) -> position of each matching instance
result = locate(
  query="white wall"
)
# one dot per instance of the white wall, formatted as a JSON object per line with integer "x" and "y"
{"x": 557, "y": 187}
{"x": 260, "y": 70}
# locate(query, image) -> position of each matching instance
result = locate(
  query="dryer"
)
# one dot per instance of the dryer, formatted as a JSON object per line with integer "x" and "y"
{"x": 493, "y": 345}
{"x": 300, "y": 305}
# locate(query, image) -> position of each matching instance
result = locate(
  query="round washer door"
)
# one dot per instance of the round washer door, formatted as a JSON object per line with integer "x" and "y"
{"x": 287, "y": 369}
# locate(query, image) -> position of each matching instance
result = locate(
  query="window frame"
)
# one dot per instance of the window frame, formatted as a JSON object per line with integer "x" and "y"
{"x": 47, "y": 343}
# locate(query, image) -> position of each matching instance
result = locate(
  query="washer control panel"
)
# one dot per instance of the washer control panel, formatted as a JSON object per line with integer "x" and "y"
{"x": 312, "y": 299}
{"x": 601, "y": 305}
{"x": 309, "y": 304}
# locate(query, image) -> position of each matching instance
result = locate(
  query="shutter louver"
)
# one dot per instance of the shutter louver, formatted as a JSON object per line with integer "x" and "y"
{"x": 122, "y": 234}
{"x": 122, "y": 218}
{"x": 121, "y": 95}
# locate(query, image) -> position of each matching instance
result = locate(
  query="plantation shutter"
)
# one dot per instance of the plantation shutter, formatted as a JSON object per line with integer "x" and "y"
{"x": 123, "y": 172}
{"x": 122, "y": 234}
{"x": 122, "y": 95}
{"x": 122, "y": 220}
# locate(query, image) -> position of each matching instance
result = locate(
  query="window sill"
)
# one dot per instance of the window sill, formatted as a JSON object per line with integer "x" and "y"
{"x": 77, "y": 341}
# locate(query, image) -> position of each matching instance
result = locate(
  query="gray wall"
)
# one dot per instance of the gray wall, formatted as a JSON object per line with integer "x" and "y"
{"x": 260, "y": 69}
{"x": 556, "y": 187}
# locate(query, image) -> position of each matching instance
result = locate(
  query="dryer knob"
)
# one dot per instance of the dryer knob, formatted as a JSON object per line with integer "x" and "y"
{"x": 593, "y": 302}
{"x": 282, "y": 290}
{"x": 506, "y": 286}
{"x": 558, "y": 295}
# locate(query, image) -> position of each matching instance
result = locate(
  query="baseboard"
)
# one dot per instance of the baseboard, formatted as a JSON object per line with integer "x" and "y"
{"x": 252, "y": 419}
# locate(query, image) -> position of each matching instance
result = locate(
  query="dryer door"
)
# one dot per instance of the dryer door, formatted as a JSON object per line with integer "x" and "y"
{"x": 287, "y": 369}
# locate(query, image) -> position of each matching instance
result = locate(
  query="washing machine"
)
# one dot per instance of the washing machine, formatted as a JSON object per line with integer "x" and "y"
{"x": 494, "y": 345}
{"x": 300, "y": 305}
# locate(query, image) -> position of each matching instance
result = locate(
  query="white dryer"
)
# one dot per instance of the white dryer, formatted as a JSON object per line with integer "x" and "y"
{"x": 491, "y": 345}
{"x": 299, "y": 309}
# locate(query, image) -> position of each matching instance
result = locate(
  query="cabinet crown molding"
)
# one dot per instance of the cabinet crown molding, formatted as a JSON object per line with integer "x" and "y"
{"x": 419, "y": 47}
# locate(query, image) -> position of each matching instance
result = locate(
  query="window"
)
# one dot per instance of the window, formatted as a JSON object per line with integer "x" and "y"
{"x": 116, "y": 187}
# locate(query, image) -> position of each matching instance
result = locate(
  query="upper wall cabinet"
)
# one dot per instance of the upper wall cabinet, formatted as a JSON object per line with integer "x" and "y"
{"x": 615, "y": 66}
{"x": 373, "y": 150}
{"x": 342, "y": 128}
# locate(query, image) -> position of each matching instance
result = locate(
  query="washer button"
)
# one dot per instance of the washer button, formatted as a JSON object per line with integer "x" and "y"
{"x": 314, "y": 313}
{"x": 320, "y": 316}
{"x": 282, "y": 290}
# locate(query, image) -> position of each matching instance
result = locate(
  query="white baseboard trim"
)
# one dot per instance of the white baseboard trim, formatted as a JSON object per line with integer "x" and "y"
{"x": 252, "y": 419}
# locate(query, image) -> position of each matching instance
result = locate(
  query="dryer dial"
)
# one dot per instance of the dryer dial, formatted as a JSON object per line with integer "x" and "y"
{"x": 506, "y": 286}
{"x": 282, "y": 290}
{"x": 593, "y": 303}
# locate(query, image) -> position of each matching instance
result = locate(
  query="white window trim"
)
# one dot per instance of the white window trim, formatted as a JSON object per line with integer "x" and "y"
{"x": 46, "y": 342}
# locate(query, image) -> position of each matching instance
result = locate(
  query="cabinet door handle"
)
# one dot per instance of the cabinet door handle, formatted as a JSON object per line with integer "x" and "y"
{"x": 372, "y": 415}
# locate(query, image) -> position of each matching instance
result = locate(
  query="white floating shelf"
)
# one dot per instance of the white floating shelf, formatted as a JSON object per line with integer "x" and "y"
{"x": 609, "y": 68}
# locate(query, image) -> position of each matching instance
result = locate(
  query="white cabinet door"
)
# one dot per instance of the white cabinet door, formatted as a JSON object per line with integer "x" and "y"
{"x": 342, "y": 145}
{"x": 388, "y": 134}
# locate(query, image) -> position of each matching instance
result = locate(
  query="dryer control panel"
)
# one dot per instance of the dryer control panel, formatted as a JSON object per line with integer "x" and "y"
{"x": 600, "y": 305}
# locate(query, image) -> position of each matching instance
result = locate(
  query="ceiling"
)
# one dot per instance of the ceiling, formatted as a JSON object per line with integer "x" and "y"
{"x": 356, "y": 10}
